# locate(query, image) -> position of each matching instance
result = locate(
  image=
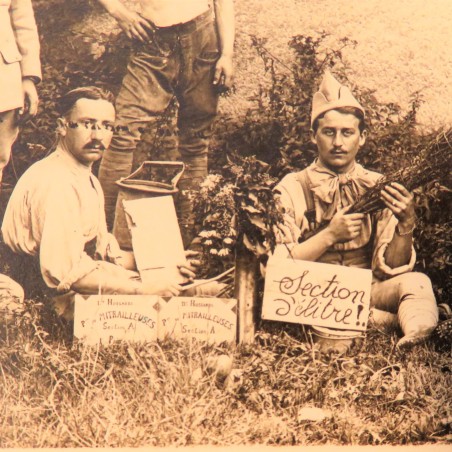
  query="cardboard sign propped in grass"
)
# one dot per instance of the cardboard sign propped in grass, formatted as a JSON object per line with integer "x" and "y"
{"x": 213, "y": 320}
{"x": 156, "y": 238}
{"x": 317, "y": 294}
{"x": 107, "y": 318}
{"x": 146, "y": 318}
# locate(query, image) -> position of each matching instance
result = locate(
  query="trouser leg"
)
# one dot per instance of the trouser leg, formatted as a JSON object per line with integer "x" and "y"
{"x": 8, "y": 134}
{"x": 194, "y": 174}
{"x": 145, "y": 93}
{"x": 411, "y": 297}
{"x": 198, "y": 103}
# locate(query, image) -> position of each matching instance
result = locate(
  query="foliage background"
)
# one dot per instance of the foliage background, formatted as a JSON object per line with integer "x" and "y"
{"x": 53, "y": 394}
{"x": 396, "y": 54}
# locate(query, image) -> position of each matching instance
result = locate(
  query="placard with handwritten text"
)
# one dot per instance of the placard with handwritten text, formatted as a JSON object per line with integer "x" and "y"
{"x": 144, "y": 318}
{"x": 212, "y": 320}
{"x": 107, "y": 318}
{"x": 318, "y": 294}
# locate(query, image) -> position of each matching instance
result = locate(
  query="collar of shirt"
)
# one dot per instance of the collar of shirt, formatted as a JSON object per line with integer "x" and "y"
{"x": 338, "y": 190}
{"x": 333, "y": 191}
{"x": 76, "y": 168}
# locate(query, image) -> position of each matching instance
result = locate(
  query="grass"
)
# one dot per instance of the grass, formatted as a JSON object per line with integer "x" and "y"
{"x": 54, "y": 393}
{"x": 57, "y": 394}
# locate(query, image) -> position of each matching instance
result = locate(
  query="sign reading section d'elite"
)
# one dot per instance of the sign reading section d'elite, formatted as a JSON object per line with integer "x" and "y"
{"x": 317, "y": 294}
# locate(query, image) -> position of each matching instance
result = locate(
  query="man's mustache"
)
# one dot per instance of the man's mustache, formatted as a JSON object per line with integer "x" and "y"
{"x": 94, "y": 144}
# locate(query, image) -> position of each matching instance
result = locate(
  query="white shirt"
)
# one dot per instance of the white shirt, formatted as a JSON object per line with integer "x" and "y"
{"x": 57, "y": 207}
{"x": 383, "y": 222}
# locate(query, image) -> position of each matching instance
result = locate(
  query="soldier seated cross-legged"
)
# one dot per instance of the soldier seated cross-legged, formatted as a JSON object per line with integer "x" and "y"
{"x": 381, "y": 241}
{"x": 54, "y": 224}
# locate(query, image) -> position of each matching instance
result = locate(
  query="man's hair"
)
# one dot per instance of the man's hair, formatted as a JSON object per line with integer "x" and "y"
{"x": 345, "y": 110}
{"x": 66, "y": 103}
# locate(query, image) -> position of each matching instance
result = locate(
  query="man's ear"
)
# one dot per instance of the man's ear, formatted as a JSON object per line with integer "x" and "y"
{"x": 312, "y": 135}
{"x": 362, "y": 137}
{"x": 61, "y": 127}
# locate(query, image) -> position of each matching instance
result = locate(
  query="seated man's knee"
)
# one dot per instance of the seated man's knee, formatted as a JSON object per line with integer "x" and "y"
{"x": 416, "y": 282}
{"x": 417, "y": 279}
{"x": 11, "y": 289}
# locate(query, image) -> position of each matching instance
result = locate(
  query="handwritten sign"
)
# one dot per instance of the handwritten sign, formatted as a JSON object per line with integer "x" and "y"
{"x": 317, "y": 294}
{"x": 143, "y": 318}
{"x": 104, "y": 318}
{"x": 212, "y": 320}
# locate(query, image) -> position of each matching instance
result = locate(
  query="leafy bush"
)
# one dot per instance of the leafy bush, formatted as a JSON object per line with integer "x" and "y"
{"x": 235, "y": 208}
{"x": 276, "y": 130}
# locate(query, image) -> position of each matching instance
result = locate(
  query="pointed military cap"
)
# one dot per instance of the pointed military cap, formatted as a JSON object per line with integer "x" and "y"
{"x": 331, "y": 95}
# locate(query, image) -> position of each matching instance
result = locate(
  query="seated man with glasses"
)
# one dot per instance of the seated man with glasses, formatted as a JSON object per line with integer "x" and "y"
{"x": 54, "y": 226}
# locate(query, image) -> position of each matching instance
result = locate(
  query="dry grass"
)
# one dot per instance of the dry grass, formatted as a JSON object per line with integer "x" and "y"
{"x": 160, "y": 394}
{"x": 53, "y": 394}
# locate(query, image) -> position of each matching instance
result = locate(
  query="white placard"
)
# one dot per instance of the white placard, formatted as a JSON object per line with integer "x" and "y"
{"x": 212, "y": 320}
{"x": 318, "y": 294}
{"x": 143, "y": 318}
{"x": 156, "y": 238}
{"x": 107, "y": 318}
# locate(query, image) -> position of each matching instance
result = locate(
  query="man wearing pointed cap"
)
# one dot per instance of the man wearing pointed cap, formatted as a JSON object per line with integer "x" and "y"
{"x": 383, "y": 242}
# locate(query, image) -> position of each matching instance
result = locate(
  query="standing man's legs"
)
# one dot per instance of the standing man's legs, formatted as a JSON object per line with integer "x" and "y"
{"x": 8, "y": 134}
{"x": 179, "y": 61}
{"x": 198, "y": 102}
{"x": 145, "y": 93}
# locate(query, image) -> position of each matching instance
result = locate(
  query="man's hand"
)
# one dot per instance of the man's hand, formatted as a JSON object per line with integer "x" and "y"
{"x": 224, "y": 73}
{"x": 187, "y": 268}
{"x": 133, "y": 24}
{"x": 401, "y": 203}
{"x": 344, "y": 227}
{"x": 30, "y": 100}
{"x": 164, "y": 288}
{"x": 190, "y": 255}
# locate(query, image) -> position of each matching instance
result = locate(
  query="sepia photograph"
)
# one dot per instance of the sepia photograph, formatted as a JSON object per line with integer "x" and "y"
{"x": 225, "y": 224}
